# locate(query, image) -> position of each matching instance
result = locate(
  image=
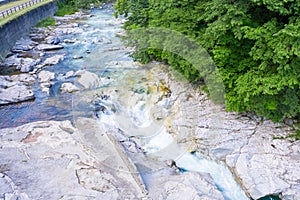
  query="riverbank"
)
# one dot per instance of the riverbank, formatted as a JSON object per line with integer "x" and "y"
{"x": 107, "y": 127}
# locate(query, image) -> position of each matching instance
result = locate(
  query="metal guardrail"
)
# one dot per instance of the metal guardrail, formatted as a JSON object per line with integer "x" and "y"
{"x": 12, "y": 10}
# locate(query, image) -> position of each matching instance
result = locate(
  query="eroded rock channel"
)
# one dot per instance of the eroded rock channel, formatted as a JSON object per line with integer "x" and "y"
{"x": 81, "y": 120}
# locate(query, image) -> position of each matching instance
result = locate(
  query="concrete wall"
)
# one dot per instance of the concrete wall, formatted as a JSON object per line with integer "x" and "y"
{"x": 17, "y": 28}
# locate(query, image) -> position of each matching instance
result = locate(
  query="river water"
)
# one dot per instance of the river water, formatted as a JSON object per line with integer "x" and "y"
{"x": 132, "y": 98}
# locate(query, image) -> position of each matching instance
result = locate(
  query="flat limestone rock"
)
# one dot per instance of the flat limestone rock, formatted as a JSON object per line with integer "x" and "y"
{"x": 164, "y": 184}
{"x": 54, "y": 160}
{"x": 14, "y": 89}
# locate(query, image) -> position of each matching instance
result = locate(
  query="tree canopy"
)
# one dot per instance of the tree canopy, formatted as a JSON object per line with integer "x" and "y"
{"x": 254, "y": 43}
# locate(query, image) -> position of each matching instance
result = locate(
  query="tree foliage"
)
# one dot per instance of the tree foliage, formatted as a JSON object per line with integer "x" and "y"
{"x": 254, "y": 43}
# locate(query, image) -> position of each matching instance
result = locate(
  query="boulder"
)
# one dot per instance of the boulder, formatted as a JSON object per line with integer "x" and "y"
{"x": 88, "y": 79}
{"x": 46, "y": 76}
{"x": 165, "y": 184}
{"x": 26, "y": 64}
{"x": 54, "y": 60}
{"x": 14, "y": 89}
{"x": 22, "y": 64}
{"x": 69, "y": 87}
{"x": 37, "y": 156}
{"x": 53, "y": 40}
{"x": 69, "y": 74}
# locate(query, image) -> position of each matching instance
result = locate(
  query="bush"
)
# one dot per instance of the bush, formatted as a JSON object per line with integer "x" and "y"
{"x": 255, "y": 44}
{"x": 46, "y": 22}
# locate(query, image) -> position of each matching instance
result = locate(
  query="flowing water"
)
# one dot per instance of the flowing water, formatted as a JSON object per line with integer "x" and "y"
{"x": 128, "y": 99}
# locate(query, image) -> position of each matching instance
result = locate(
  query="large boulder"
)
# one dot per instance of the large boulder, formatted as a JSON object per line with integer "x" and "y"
{"x": 14, "y": 89}
{"x": 37, "y": 156}
{"x": 88, "y": 79}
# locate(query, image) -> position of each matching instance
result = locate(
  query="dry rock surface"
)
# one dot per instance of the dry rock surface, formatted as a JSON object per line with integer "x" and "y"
{"x": 15, "y": 88}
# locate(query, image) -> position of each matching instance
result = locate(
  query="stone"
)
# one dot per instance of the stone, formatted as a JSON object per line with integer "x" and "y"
{"x": 49, "y": 47}
{"x": 26, "y": 64}
{"x": 70, "y": 40}
{"x": 69, "y": 87}
{"x": 77, "y": 57}
{"x": 165, "y": 184}
{"x": 53, "y": 40}
{"x": 46, "y": 76}
{"x": 15, "y": 93}
{"x": 37, "y": 156}
{"x": 54, "y": 60}
{"x": 88, "y": 79}
{"x": 22, "y": 64}
{"x": 14, "y": 89}
{"x": 69, "y": 74}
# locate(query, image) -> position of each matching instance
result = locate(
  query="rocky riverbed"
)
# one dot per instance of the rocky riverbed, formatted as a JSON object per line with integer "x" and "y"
{"x": 80, "y": 120}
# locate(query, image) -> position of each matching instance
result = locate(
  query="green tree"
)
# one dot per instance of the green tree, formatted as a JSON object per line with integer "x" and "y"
{"x": 254, "y": 43}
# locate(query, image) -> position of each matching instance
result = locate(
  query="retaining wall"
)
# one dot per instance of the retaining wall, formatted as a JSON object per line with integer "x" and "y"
{"x": 20, "y": 27}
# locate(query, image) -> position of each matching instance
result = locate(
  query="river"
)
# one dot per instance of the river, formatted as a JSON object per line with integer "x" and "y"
{"x": 134, "y": 100}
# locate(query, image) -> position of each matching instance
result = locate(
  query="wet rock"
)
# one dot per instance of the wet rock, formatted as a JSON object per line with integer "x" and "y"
{"x": 53, "y": 40}
{"x": 46, "y": 76}
{"x": 54, "y": 60}
{"x": 268, "y": 166}
{"x": 88, "y": 79}
{"x": 14, "y": 89}
{"x": 49, "y": 47}
{"x": 69, "y": 74}
{"x": 22, "y": 64}
{"x": 167, "y": 185}
{"x": 26, "y": 64}
{"x": 69, "y": 87}
{"x": 77, "y": 57}
{"x": 24, "y": 44}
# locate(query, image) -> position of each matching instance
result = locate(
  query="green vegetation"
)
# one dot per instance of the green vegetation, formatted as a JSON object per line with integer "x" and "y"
{"x": 21, "y": 12}
{"x": 49, "y": 21}
{"x": 67, "y": 7}
{"x": 254, "y": 43}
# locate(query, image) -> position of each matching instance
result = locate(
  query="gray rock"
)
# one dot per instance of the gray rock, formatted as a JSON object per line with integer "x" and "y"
{"x": 70, "y": 40}
{"x": 167, "y": 185}
{"x": 26, "y": 64}
{"x": 54, "y": 60}
{"x": 48, "y": 47}
{"x": 77, "y": 57}
{"x": 88, "y": 79}
{"x": 69, "y": 87}
{"x": 69, "y": 74}
{"x": 14, "y": 89}
{"x": 37, "y": 156}
{"x": 46, "y": 76}
{"x": 22, "y": 64}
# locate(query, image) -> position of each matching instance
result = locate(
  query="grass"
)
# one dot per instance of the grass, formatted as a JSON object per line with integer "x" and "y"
{"x": 64, "y": 9}
{"x": 49, "y": 21}
{"x": 12, "y": 4}
{"x": 21, "y": 12}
